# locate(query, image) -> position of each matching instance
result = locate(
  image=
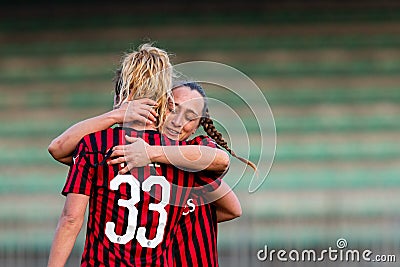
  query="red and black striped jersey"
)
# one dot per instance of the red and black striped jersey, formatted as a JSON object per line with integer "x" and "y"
{"x": 195, "y": 241}
{"x": 132, "y": 218}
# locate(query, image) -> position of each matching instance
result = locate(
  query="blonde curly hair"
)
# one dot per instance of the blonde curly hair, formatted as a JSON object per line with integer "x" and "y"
{"x": 146, "y": 73}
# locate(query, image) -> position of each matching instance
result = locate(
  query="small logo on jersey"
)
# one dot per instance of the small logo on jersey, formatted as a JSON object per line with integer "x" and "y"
{"x": 189, "y": 207}
{"x": 75, "y": 158}
{"x": 155, "y": 165}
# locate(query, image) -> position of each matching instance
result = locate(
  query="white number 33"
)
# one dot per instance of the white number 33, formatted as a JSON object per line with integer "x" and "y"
{"x": 133, "y": 212}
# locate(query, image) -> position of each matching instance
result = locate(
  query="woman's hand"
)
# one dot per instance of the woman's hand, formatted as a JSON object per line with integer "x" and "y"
{"x": 139, "y": 111}
{"x": 134, "y": 154}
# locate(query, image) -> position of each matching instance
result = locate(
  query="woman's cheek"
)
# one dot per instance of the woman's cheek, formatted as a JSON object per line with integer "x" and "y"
{"x": 192, "y": 127}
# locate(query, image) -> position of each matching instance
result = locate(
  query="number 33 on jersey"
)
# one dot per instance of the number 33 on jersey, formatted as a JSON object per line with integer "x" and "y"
{"x": 133, "y": 212}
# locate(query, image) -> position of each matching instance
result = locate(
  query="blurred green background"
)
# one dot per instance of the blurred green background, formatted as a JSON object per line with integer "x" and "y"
{"x": 330, "y": 72}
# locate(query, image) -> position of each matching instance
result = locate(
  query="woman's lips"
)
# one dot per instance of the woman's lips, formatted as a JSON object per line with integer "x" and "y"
{"x": 172, "y": 132}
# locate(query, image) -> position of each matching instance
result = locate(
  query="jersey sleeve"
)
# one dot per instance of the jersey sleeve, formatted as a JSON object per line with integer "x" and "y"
{"x": 79, "y": 179}
{"x": 206, "y": 180}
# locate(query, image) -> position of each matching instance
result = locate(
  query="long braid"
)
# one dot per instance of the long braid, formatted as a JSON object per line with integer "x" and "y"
{"x": 209, "y": 128}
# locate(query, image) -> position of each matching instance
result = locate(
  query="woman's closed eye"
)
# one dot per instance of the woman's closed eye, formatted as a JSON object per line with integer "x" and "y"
{"x": 190, "y": 116}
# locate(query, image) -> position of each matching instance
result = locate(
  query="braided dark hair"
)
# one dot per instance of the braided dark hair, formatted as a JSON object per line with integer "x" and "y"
{"x": 209, "y": 128}
{"x": 117, "y": 87}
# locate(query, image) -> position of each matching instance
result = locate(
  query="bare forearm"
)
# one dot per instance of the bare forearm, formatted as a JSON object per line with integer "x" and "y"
{"x": 192, "y": 157}
{"x": 223, "y": 215}
{"x": 227, "y": 204}
{"x": 62, "y": 147}
{"x": 68, "y": 227}
{"x": 63, "y": 242}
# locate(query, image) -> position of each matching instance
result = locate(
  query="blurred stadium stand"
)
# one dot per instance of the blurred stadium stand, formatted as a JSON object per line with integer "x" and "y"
{"x": 330, "y": 72}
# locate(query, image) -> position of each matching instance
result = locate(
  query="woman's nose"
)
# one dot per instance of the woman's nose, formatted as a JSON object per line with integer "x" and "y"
{"x": 177, "y": 121}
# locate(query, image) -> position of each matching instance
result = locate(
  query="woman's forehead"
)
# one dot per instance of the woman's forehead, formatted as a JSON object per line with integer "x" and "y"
{"x": 183, "y": 93}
